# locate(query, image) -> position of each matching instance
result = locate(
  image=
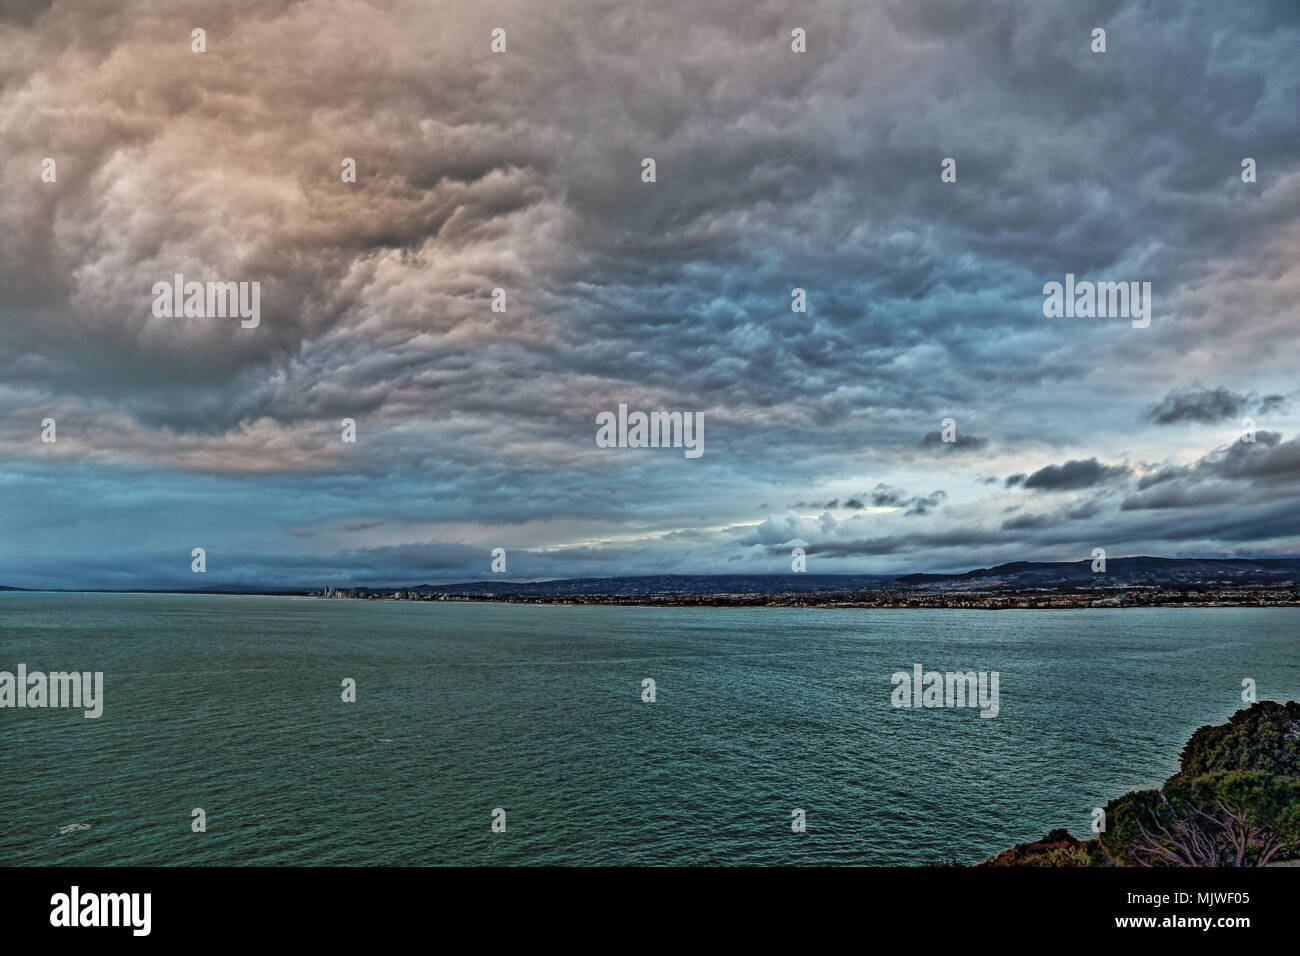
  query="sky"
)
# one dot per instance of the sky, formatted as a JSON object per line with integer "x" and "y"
{"x": 522, "y": 170}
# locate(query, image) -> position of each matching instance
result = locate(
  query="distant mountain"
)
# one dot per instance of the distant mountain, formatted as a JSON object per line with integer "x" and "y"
{"x": 1120, "y": 572}
{"x": 1016, "y": 576}
{"x": 1135, "y": 572}
{"x": 661, "y": 584}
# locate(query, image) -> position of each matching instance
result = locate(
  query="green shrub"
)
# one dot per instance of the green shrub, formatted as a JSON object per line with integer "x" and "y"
{"x": 1265, "y": 736}
{"x": 1224, "y": 818}
{"x": 1235, "y": 801}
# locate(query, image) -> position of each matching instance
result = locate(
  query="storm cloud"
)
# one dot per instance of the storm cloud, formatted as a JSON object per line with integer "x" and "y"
{"x": 1070, "y": 476}
{"x": 1208, "y": 405}
{"x": 522, "y": 171}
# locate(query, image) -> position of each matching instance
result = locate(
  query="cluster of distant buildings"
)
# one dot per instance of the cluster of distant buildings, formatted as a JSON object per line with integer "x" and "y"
{"x": 373, "y": 595}
{"x": 1276, "y": 596}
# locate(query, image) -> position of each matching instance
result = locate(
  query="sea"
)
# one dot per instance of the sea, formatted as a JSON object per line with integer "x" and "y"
{"x": 509, "y": 734}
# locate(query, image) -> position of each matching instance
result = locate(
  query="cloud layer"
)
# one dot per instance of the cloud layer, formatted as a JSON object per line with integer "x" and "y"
{"x": 521, "y": 171}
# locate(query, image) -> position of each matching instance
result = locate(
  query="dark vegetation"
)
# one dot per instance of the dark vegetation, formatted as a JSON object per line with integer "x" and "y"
{"x": 1235, "y": 801}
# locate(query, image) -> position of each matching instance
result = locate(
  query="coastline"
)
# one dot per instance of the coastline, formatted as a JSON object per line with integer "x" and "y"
{"x": 985, "y": 601}
{"x": 824, "y": 607}
{"x": 998, "y": 601}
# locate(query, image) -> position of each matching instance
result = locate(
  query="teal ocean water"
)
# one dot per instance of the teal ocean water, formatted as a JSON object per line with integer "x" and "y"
{"x": 233, "y": 704}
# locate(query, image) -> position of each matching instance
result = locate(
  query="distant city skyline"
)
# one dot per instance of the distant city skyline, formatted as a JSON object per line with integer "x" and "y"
{"x": 501, "y": 277}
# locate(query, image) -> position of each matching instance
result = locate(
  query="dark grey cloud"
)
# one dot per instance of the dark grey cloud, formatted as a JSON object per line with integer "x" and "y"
{"x": 1224, "y": 476}
{"x": 887, "y": 496}
{"x": 1026, "y": 522}
{"x": 894, "y": 545}
{"x": 1176, "y": 495}
{"x": 1083, "y": 511}
{"x": 924, "y": 504}
{"x": 1209, "y": 405}
{"x": 1073, "y": 475}
{"x": 959, "y": 443}
{"x": 24, "y": 13}
{"x": 883, "y": 496}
